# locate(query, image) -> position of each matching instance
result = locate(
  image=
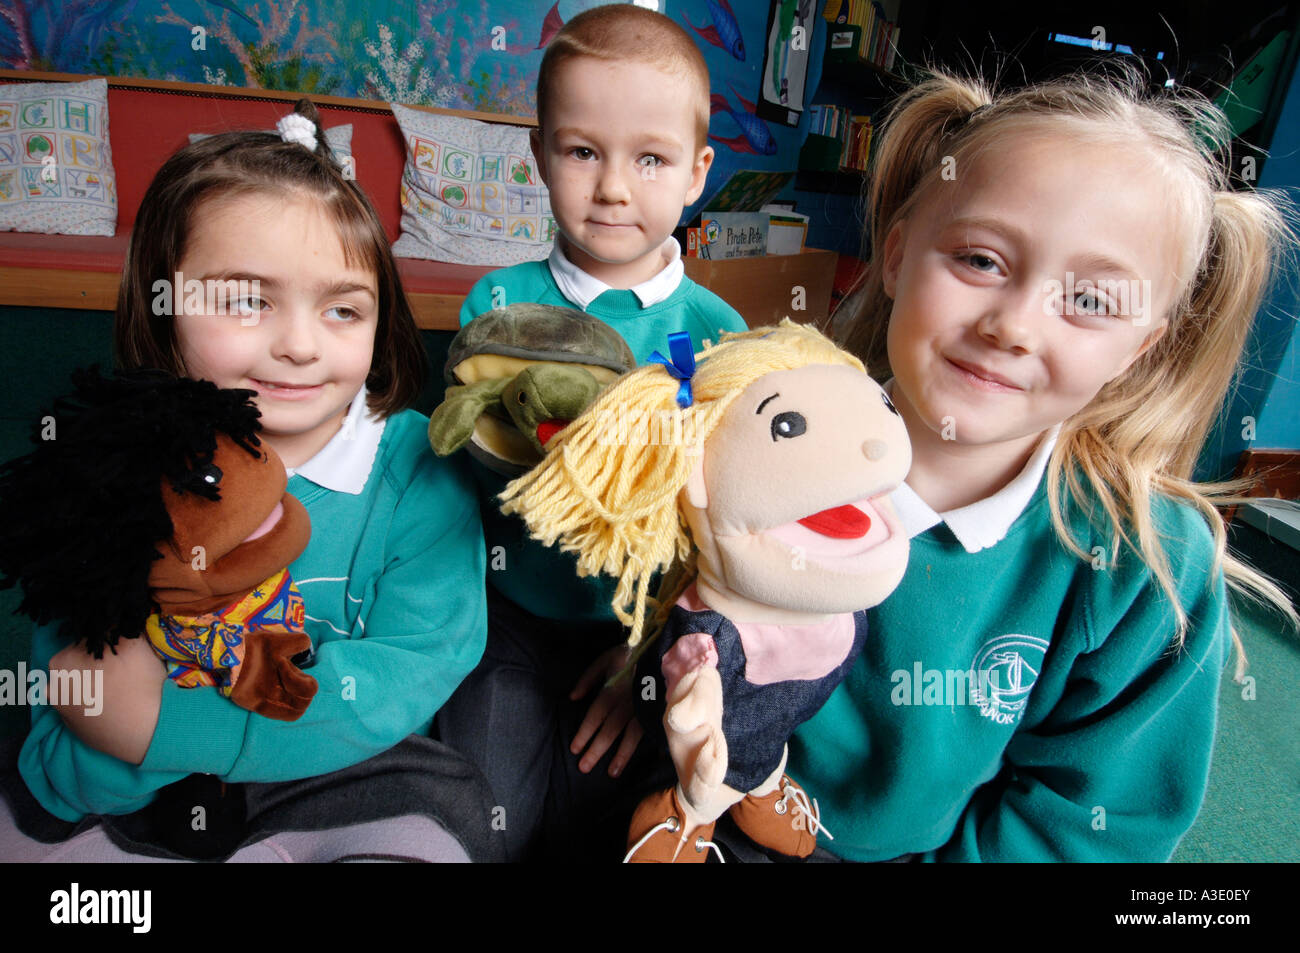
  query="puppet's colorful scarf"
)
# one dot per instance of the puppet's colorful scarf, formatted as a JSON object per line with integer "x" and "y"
{"x": 207, "y": 649}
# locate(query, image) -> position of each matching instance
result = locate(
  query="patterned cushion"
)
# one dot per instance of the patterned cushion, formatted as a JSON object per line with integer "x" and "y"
{"x": 56, "y": 167}
{"x": 470, "y": 194}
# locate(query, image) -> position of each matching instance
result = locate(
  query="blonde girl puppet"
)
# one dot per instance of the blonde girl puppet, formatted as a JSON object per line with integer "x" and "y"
{"x": 762, "y": 474}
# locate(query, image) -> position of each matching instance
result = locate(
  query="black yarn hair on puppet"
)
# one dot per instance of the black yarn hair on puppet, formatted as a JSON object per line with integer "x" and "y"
{"x": 83, "y": 513}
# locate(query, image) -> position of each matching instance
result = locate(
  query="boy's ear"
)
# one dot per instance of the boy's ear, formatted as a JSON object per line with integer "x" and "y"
{"x": 699, "y": 174}
{"x": 536, "y": 143}
{"x": 893, "y": 258}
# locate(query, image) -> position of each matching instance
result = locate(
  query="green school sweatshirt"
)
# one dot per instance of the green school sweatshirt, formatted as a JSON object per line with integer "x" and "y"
{"x": 1022, "y": 704}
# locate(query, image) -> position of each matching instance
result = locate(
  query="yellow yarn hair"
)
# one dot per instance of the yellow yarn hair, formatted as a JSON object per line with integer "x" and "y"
{"x": 607, "y": 488}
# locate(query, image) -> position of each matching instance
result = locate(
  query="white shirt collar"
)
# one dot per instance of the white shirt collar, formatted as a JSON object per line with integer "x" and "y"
{"x": 984, "y": 523}
{"x": 582, "y": 289}
{"x": 344, "y": 464}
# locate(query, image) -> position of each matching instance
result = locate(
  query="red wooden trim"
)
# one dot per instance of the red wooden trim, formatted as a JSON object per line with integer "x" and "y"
{"x": 209, "y": 91}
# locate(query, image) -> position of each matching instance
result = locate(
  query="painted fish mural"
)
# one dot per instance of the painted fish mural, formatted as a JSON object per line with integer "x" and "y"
{"x": 551, "y": 25}
{"x": 755, "y": 136}
{"x": 422, "y": 52}
{"x": 724, "y": 31}
{"x": 236, "y": 11}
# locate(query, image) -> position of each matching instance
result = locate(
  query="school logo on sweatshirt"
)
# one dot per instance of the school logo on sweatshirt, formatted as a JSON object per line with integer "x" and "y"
{"x": 1006, "y": 668}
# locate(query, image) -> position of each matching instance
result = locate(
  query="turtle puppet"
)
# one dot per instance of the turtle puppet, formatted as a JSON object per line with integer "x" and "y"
{"x": 517, "y": 375}
{"x": 151, "y": 507}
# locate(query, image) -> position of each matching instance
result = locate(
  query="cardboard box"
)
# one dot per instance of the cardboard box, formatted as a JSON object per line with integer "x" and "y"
{"x": 765, "y": 290}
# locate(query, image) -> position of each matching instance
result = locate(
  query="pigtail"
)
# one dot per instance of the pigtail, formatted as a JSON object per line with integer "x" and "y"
{"x": 1143, "y": 432}
{"x": 919, "y": 127}
{"x": 1250, "y": 231}
{"x": 307, "y": 109}
{"x": 1246, "y": 234}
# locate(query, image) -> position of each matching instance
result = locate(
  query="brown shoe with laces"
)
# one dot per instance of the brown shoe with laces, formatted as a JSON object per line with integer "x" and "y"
{"x": 656, "y": 834}
{"x": 782, "y": 821}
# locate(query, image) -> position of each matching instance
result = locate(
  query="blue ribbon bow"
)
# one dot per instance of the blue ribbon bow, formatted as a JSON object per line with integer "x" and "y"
{"x": 682, "y": 366}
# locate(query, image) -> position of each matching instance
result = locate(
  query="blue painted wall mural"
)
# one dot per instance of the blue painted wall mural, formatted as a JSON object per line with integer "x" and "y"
{"x": 459, "y": 54}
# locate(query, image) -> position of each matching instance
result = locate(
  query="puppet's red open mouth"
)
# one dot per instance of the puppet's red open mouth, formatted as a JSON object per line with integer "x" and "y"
{"x": 549, "y": 428}
{"x": 862, "y": 536}
{"x": 839, "y": 522}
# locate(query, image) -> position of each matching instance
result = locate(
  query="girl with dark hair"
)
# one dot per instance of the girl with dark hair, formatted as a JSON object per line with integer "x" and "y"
{"x": 256, "y": 262}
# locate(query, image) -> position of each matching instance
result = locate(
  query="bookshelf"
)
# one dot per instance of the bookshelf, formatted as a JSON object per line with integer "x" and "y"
{"x": 855, "y": 82}
{"x": 857, "y": 76}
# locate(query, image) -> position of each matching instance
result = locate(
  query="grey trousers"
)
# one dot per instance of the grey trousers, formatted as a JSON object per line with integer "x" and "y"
{"x": 420, "y": 800}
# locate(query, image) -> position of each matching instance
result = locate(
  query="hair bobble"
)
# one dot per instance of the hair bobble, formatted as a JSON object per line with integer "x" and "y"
{"x": 296, "y": 127}
{"x": 977, "y": 110}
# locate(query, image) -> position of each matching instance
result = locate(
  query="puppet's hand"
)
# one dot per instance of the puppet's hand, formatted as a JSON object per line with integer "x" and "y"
{"x": 267, "y": 682}
{"x": 689, "y": 708}
{"x": 613, "y": 712}
{"x": 120, "y": 699}
{"x": 693, "y": 719}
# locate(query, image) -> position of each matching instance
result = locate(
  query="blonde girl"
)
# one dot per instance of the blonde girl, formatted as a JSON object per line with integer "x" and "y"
{"x": 1061, "y": 285}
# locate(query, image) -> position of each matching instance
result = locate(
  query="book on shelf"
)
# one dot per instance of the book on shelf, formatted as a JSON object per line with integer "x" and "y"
{"x": 849, "y": 135}
{"x": 875, "y": 38}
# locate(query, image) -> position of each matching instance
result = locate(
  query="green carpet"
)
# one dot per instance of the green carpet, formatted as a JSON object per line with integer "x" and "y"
{"x": 1252, "y": 807}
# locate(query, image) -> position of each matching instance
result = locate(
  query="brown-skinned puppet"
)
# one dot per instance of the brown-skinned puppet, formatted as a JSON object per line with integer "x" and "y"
{"x": 152, "y": 508}
{"x": 760, "y": 477}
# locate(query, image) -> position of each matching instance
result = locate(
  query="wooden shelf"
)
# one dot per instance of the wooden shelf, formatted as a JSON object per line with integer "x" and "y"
{"x": 841, "y": 69}
{"x": 58, "y": 288}
{"x": 86, "y": 290}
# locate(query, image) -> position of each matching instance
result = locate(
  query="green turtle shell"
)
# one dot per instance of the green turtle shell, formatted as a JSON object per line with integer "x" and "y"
{"x": 540, "y": 332}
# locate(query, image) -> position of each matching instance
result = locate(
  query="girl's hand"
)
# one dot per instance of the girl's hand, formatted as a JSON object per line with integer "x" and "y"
{"x": 121, "y": 696}
{"x": 613, "y": 712}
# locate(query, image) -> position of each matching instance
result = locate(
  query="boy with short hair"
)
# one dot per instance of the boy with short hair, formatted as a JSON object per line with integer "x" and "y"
{"x": 622, "y": 144}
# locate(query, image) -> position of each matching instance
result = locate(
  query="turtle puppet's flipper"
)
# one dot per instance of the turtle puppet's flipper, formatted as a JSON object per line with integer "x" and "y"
{"x": 452, "y": 422}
